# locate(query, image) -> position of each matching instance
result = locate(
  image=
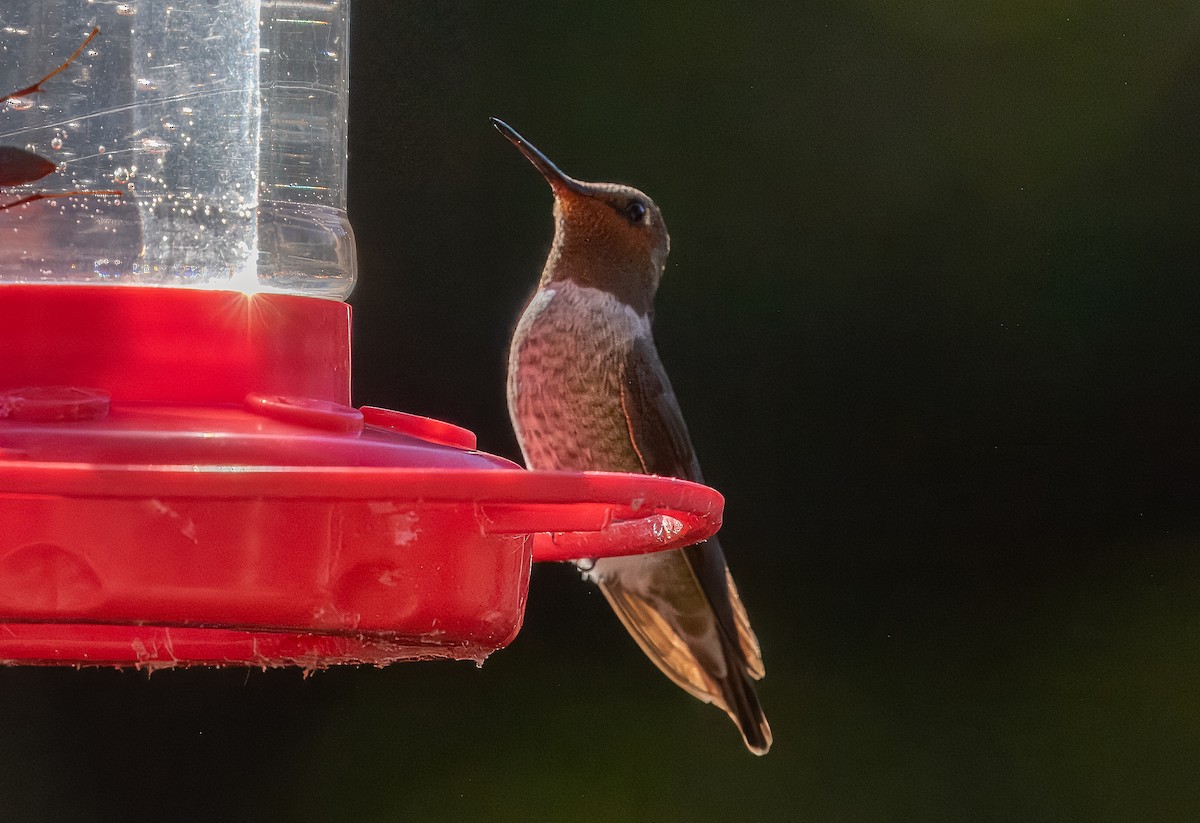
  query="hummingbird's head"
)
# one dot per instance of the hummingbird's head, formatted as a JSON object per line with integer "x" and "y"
{"x": 606, "y": 235}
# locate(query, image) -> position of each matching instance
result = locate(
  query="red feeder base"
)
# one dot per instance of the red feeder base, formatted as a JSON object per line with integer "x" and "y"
{"x": 154, "y": 647}
{"x": 181, "y": 483}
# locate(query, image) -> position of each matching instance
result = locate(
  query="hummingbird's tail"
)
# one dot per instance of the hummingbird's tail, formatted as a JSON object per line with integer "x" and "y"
{"x": 708, "y": 665}
{"x": 742, "y": 706}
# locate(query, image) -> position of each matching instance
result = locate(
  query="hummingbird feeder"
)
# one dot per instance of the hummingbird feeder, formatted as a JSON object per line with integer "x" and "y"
{"x": 182, "y": 477}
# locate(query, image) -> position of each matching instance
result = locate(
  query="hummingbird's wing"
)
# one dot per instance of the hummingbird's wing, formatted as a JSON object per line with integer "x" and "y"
{"x": 670, "y": 613}
{"x": 660, "y": 437}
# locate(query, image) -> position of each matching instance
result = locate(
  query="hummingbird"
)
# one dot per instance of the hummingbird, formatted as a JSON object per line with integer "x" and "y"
{"x": 588, "y": 392}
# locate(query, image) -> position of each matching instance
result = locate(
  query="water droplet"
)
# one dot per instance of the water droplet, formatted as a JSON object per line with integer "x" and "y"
{"x": 56, "y": 143}
{"x": 100, "y": 149}
{"x": 121, "y": 175}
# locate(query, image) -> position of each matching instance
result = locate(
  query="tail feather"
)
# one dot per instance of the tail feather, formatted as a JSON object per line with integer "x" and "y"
{"x": 741, "y": 704}
{"x": 746, "y": 637}
{"x": 721, "y": 677}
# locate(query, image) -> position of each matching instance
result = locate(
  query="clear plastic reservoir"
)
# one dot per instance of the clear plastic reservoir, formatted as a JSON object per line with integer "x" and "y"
{"x": 222, "y": 123}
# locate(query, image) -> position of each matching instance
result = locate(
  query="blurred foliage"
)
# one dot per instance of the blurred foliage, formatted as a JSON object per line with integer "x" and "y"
{"x": 930, "y": 312}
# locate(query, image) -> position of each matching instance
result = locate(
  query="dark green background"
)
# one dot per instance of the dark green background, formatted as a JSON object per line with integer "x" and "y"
{"x": 931, "y": 313}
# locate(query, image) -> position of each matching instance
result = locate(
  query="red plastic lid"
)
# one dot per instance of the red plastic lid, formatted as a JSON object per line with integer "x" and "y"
{"x": 171, "y": 345}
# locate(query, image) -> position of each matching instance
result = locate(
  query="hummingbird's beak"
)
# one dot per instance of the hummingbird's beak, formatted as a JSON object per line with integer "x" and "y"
{"x": 558, "y": 181}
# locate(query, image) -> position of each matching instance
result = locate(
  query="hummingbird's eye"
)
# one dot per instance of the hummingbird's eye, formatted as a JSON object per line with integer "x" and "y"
{"x": 635, "y": 212}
